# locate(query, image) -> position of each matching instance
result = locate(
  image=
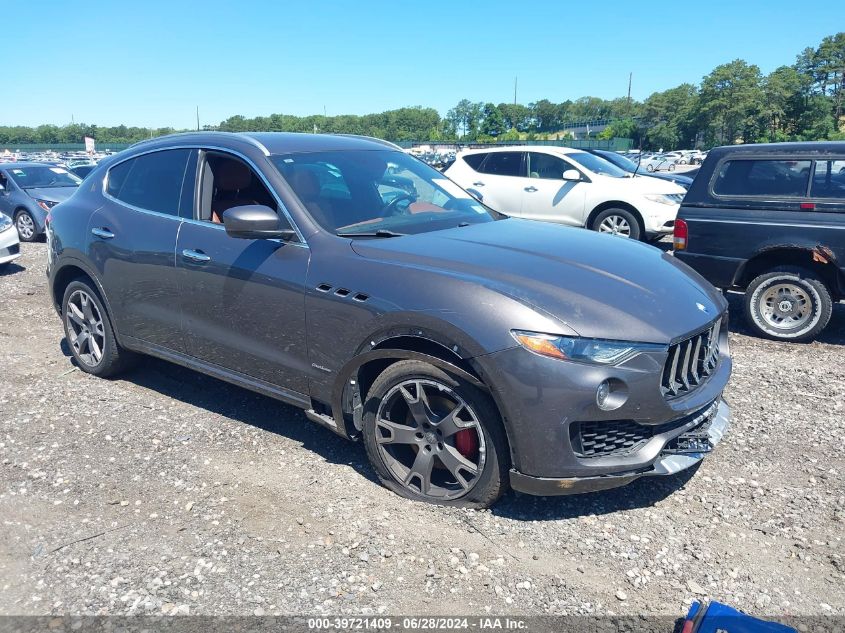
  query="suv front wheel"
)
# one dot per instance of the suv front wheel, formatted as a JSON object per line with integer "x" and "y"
{"x": 435, "y": 438}
{"x": 788, "y": 304}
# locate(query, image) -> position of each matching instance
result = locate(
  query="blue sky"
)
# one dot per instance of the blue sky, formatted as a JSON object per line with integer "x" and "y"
{"x": 151, "y": 62}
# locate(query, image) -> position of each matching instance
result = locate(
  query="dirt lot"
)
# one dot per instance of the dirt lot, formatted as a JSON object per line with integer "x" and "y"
{"x": 169, "y": 492}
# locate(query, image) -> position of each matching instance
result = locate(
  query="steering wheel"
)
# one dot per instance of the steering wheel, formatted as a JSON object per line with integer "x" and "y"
{"x": 392, "y": 207}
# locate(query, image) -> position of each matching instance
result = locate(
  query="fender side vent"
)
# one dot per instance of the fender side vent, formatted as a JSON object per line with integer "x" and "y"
{"x": 360, "y": 297}
{"x": 342, "y": 292}
{"x": 324, "y": 287}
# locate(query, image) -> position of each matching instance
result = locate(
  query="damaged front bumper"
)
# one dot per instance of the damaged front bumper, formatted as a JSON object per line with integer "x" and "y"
{"x": 681, "y": 453}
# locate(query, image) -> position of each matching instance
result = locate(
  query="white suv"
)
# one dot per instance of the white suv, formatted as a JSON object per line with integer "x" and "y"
{"x": 568, "y": 186}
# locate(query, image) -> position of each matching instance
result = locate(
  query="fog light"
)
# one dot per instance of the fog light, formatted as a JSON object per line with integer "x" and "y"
{"x": 611, "y": 394}
{"x": 601, "y": 395}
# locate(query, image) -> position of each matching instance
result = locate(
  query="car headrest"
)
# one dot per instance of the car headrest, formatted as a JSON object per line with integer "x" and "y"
{"x": 231, "y": 175}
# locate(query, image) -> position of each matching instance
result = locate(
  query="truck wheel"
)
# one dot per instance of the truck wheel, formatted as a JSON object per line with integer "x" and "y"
{"x": 435, "y": 438}
{"x": 788, "y": 304}
{"x": 619, "y": 222}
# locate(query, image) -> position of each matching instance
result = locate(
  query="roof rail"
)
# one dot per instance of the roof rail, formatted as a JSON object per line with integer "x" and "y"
{"x": 243, "y": 137}
{"x": 371, "y": 138}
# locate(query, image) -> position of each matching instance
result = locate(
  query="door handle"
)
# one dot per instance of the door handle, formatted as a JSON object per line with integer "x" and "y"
{"x": 103, "y": 233}
{"x": 195, "y": 256}
{"x": 478, "y": 184}
{"x": 531, "y": 188}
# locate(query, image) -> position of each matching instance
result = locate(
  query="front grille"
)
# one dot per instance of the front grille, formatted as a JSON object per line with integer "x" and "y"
{"x": 691, "y": 362}
{"x": 619, "y": 438}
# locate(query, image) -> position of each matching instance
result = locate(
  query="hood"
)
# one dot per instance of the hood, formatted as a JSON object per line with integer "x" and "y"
{"x": 601, "y": 286}
{"x": 680, "y": 179}
{"x": 642, "y": 183}
{"x": 51, "y": 194}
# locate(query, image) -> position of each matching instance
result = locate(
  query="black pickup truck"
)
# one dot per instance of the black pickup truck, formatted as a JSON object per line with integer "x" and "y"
{"x": 770, "y": 220}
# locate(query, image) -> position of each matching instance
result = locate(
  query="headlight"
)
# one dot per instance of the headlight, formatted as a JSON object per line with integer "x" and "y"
{"x": 584, "y": 350}
{"x": 5, "y": 223}
{"x": 664, "y": 198}
{"x": 46, "y": 204}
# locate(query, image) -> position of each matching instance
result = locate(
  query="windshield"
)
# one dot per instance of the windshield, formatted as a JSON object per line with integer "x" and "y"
{"x": 370, "y": 191}
{"x": 43, "y": 176}
{"x": 620, "y": 161}
{"x": 596, "y": 164}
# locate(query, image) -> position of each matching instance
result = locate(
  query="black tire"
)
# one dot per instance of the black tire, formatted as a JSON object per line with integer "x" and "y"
{"x": 112, "y": 357}
{"x": 649, "y": 167}
{"x": 24, "y": 216}
{"x": 385, "y": 402}
{"x": 606, "y": 217}
{"x": 788, "y": 304}
{"x": 671, "y": 168}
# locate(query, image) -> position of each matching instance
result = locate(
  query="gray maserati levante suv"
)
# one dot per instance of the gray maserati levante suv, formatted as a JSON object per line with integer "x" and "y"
{"x": 469, "y": 352}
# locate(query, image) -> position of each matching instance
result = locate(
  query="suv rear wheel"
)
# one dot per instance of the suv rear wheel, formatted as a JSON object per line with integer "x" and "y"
{"x": 89, "y": 331}
{"x": 788, "y": 304}
{"x": 435, "y": 438}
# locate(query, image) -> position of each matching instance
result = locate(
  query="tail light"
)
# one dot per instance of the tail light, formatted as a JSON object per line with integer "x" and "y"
{"x": 680, "y": 235}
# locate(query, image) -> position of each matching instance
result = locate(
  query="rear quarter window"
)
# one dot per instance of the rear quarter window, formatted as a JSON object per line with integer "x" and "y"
{"x": 474, "y": 160}
{"x": 763, "y": 177}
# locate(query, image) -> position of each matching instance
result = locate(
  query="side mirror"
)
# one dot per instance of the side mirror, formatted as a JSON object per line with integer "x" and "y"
{"x": 254, "y": 222}
{"x": 572, "y": 175}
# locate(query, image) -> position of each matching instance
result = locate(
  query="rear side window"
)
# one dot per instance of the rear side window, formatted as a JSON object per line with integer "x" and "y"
{"x": 828, "y": 180}
{"x": 503, "y": 164}
{"x": 152, "y": 181}
{"x": 474, "y": 160}
{"x": 774, "y": 178}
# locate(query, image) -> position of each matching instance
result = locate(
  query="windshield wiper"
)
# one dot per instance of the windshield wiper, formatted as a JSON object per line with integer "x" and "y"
{"x": 379, "y": 233}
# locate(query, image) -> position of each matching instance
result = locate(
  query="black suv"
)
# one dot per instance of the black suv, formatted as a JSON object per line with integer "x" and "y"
{"x": 770, "y": 220}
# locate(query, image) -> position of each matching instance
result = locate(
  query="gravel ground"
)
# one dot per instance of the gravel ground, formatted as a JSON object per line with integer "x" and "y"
{"x": 165, "y": 491}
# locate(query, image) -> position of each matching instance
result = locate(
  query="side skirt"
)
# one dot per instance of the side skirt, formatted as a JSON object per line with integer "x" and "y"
{"x": 294, "y": 398}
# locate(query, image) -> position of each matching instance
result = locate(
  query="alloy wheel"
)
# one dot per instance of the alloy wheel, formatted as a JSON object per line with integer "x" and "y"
{"x": 616, "y": 225}
{"x": 786, "y": 306}
{"x": 430, "y": 439}
{"x": 25, "y": 225}
{"x": 85, "y": 328}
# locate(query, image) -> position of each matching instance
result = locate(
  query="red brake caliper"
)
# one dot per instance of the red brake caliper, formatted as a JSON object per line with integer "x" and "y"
{"x": 466, "y": 441}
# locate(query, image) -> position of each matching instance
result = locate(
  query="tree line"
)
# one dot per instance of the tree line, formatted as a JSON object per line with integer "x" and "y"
{"x": 735, "y": 103}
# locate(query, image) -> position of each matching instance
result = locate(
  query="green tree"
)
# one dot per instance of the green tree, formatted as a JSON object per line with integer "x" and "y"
{"x": 492, "y": 121}
{"x": 730, "y": 103}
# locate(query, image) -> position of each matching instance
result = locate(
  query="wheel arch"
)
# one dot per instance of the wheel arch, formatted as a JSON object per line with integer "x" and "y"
{"x": 62, "y": 278}
{"x": 615, "y": 204}
{"x": 816, "y": 258}
{"x": 354, "y": 380}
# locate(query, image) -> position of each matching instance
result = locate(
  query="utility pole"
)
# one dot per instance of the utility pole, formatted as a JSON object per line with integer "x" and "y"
{"x": 515, "y": 79}
{"x": 630, "y": 76}
{"x": 198, "y": 118}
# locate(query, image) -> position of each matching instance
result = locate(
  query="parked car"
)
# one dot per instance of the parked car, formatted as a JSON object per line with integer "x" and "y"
{"x": 633, "y": 168}
{"x": 658, "y": 163}
{"x": 769, "y": 220}
{"x": 80, "y": 171}
{"x": 9, "y": 244}
{"x": 29, "y": 190}
{"x": 568, "y": 186}
{"x": 466, "y": 350}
